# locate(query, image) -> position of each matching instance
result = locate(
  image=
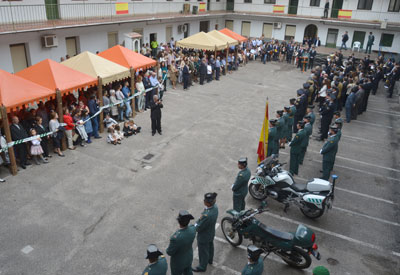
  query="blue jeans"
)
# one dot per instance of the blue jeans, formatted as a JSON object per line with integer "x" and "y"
{"x": 348, "y": 114}
{"x": 343, "y": 46}
{"x": 95, "y": 124}
{"x": 128, "y": 110}
{"x": 121, "y": 112}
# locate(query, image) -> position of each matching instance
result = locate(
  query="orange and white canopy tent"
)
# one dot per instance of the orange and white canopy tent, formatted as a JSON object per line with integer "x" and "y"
{"x": 53, "y": 75}
{"x": 16, "y": 91}
{"x": 233, "y": 35}
{"x": 127, "y": 58}
{"x": 202, "y": 41}
{"x": 96, "y": 66}
{"x": 223, "y": 37}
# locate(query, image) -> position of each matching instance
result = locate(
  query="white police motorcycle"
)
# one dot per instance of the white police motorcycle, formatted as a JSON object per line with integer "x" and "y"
{"x": 313, "y": 198}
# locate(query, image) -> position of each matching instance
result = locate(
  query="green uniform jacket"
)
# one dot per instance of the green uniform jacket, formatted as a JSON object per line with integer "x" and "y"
{"x": 286, "y": 128}
{"x": 312, "y": 120}
{"x": 329, "y": 149}
{"x": 239, "y": 188}
{"x": 180, "y": 247}
{"x": 295, "y": 144}
{"x": 293, "y": 109}
{"x": 273, "y": 145}
{"x": 205, "y": 226}
{"x": 254, "y": 269}
{"x": 158, "y": 268}
{"x": 308, "y": 130}
{"x": 280, "y": 127}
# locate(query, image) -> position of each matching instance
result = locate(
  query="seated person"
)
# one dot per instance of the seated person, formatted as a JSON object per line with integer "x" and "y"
{"x": 128, "y": 131}
{"x": 118, "y": 133}
{"x": 136, "y": 129}
{"x": 109, "y": 121}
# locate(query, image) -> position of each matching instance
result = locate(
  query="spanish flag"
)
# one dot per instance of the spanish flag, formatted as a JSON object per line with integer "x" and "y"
{"x": 345, "y": 14}
{"x": 202, "y": 6}
{"x": 121, "y": 8}
{"x": 278, "y": 9}
{"x": 263, "y": 143}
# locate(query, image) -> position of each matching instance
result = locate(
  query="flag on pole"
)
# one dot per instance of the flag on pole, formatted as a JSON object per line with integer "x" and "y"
{"x": 263, "y": 143}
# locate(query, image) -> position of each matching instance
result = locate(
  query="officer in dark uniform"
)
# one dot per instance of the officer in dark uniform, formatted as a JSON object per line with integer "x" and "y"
{"x": 286, "y": 119}
{"x": 310, "y": 113}
{"x": 255, "y": 266}
{"x": 327, "y": 114}
{"x": 280, "y": 127}
{"x": 240, "y": 188}
{"x": 273, "y": 142}
{"x": 180, "y": 245}
{"x": 293, "y": 110}
{"x": 157, "y": 262}
{"x": 205, "y": 227}
{"x": 304, "y": 145}
{"x": 300, "y": 109}
{"x": 339, "y": 125}
{"x": 328, "y": 152}
{"x": 295, "y": 148}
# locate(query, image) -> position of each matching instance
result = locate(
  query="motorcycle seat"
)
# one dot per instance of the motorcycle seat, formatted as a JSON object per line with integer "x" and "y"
{"x": 276, "y": 233}
{"x": 299, "y": 187}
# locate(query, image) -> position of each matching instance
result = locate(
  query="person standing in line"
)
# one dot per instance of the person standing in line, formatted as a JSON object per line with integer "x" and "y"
{"x": 328, "y": 152}
{"x": 155, "y": 115}
{"x": 255, "y": 265}
{"x": 345, "y": 38}
{"x": 350, "y": 103}
{"x": 273, "y": 142}
{"x": 304, "y": 145}
{"x": 180, "y": 245}
{"x": 157, "y": 262}
{"x": 371, "y": 39}
{"x": 203, "y": 71}
{"x": 69, "y": 128}
{"x": 295, "y": 148}
{"x": 205, "y": 227}
{"x": 127, "y": 93}
{"x": 185, "y": 76}
{"x": 41, "y": 129}
{"x": 17, "y": 133}
{"x": 217, "y": 68}
{"x": 93, "y": 109}
{"x": 240, "y": 188}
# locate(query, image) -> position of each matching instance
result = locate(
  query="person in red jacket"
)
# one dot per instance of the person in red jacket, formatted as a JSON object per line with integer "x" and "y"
{"x": 69, "y": 128}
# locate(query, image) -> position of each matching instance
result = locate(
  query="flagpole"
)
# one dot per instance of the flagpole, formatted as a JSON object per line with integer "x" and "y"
{"x": 267, "y": 125}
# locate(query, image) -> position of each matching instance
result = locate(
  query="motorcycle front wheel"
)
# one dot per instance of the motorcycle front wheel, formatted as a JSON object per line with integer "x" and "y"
{"x": 257, "y": 192}
{"x": 297, "y": 258}
{"x": 312, "y": 213}
{"x": 231, "y": 235}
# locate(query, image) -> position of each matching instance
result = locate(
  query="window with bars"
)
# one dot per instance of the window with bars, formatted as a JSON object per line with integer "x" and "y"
{"x": 314, "y": 3}
{"x": 269, "y": 1}
{"x": 394, "y": 6}
{"x": 248, "y": 1}
{"x": 365, "y": 4}
{"x": 386, "y": 40}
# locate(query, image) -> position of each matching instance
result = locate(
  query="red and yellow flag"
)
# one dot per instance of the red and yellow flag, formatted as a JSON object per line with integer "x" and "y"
{"x": 263, "y": 143}
{"x": 121, "y": 8}
{"x": 345, "y": 14}
{"x": 202, "y": 6}
{"x": 279, "y": 9}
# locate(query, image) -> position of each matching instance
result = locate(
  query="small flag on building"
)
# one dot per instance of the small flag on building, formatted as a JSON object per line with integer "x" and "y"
{"x": 345, "y": 14}
{"x": 279, "y": 9}
{"x": 263, "y": 143}
{"x": 202, "y": 6}
{"x": 121, "y": 8}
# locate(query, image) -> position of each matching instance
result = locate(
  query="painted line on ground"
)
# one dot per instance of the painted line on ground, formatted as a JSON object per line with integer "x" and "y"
{"x": 382, "y": 110}
{"x": 373, "y": 124}
{"x": 337, "y": 235}
{"x": 383, "y": 113}
{"x": 358, "y": 138}
{"x": 218, "y": 265}
{"x": 356, "y": 193}
{"x": 365, "y": 216}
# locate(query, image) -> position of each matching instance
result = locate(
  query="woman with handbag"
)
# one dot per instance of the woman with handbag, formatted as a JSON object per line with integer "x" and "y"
{"x": 58, "y": 134}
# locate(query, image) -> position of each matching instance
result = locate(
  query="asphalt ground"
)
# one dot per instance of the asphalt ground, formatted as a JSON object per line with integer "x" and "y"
{"x": 96, "y": 210}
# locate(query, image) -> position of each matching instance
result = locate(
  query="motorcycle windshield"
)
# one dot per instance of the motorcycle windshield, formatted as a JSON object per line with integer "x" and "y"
{"x": 303, "y": 236}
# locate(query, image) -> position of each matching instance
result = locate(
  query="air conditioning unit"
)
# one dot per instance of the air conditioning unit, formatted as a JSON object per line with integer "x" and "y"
{"x": 49, "y": 41}
{"x": 277, "y": 25}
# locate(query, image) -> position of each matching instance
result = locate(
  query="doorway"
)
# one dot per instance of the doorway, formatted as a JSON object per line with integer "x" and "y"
{"x": 332, "y": 38}
{"x": 18, "y": 57}
{"x": 139, "y": 31}
{"x": 311, "y": 31}
{"x": 72, "y": 46}
{"x": 336, "y": 6}
{"x": 168, "y": 34}
{"x": 153, "y": 37}
{"x": 230, "y": 5}
{"x": 358, "y": 36}
{"x": 52, "y": 9}
{"x": 208, "y": 4}
{"x": 293, "y": 4}
{"x": 186, "y": 30}
{"x": 204, "y": 26}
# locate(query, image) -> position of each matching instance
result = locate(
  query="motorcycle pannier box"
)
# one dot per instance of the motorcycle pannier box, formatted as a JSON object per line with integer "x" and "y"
{"x": 318, "y": 185}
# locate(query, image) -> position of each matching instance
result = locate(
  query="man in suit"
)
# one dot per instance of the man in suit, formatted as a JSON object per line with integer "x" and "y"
{"x": 155, "y": 115}
{"x": 239, "y": 188}
{"x": 371, "y": 39}
{"x": 157, "y": 262}
{"x": 205, "y": 227}
{"x": 180, "y": 245}
{"x": 93, "y": 109}
{"x": 368, "y": 87}
{"x": 147, "y": 85}
{"x": 17, "y": 133}
{"x": 41, "y": 129}
{"x": 313, "y": 53}
{"x": 328, "y": 152}
{"x": 203, "y": 71}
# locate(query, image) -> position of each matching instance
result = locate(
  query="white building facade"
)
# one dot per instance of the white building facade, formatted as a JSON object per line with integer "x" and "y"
{"x": 75, "y": 26}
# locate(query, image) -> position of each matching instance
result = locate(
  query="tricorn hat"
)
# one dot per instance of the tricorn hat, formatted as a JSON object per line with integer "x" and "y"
{"x": 210, "y": 197}
{"x": 184, "y": 215}
{"x": 152, "y": 252}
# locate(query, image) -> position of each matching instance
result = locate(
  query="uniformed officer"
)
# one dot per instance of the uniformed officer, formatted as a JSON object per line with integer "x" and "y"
{"x": 326, "y": 116}
{"x": 338, "y": 123}
{"x": 328, "y": 152}
{"x": 205, "y": 227}
{"x": 273, "y": 143}
{"x": 157, "y": 262}
{"x": 295, "y": 148}
{"x": 255, "y": 265}
{"x": 292, "y": 101}
{"x": 240, "y": 188}
{"x": 280, "y": 126}
{"x": 286, "y": 114}
{"x": 310, "y": 112}
{"x": 304, "y": 145}
{"x": 300, "y": 108}
{"x": 180, "y": 245}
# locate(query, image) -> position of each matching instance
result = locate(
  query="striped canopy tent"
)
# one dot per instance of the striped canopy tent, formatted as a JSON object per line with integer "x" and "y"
{"x": 96, "y": 66}
{"x": 202, "y": 41}
{"x": 127, "y": 58}
{"x": 233, "y": 35}
{"x": 17, "y": 92}
{"x": 223, "y": 37}
{"x": 56, "y": 76}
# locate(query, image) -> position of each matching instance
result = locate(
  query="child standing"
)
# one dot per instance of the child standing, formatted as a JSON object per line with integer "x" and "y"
{"x": 36, "y": 149}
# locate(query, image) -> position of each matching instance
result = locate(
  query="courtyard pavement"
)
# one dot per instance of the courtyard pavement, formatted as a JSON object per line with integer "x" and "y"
{"x": 96, "y": 210}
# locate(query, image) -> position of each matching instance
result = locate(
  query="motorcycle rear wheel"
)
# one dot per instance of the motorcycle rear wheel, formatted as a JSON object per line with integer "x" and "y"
{"x": 312, "y": 213}
{"x": 253, "y": 190}
{"x": 229, "y": 233}
{"x": 292, "y": 258}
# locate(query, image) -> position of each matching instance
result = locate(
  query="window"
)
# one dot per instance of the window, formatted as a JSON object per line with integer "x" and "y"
{"x": 386, "y": 40}
{"x": 314, "y": 3}
{"x": 246, "y": 29}
{"x": 248, "y": 1}
{"x": 365, "y": 4}
{"x": 394, "y": 6}
{"x": 267, "y": 30}
{"x": 229, "y": 24}
{"x": 290, "y": 32}
{"x": 18, "y": 57}
{"x": 269, "y": 1}
{"x": 71, "y": 45}
{"x": 112, "y": 39}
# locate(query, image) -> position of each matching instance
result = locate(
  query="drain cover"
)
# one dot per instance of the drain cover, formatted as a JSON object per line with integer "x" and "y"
{"x": 332, "y": 261}
{"x": 148, "y": 156}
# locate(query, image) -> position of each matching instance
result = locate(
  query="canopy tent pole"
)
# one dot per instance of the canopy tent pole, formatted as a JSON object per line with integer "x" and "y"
{"x": 133, "y": 103}
{"x": 61, "y": 117}
{"x": 100, "y": 97}
{"x": 7, "y": 132}
{"x": 226, "y": 60}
